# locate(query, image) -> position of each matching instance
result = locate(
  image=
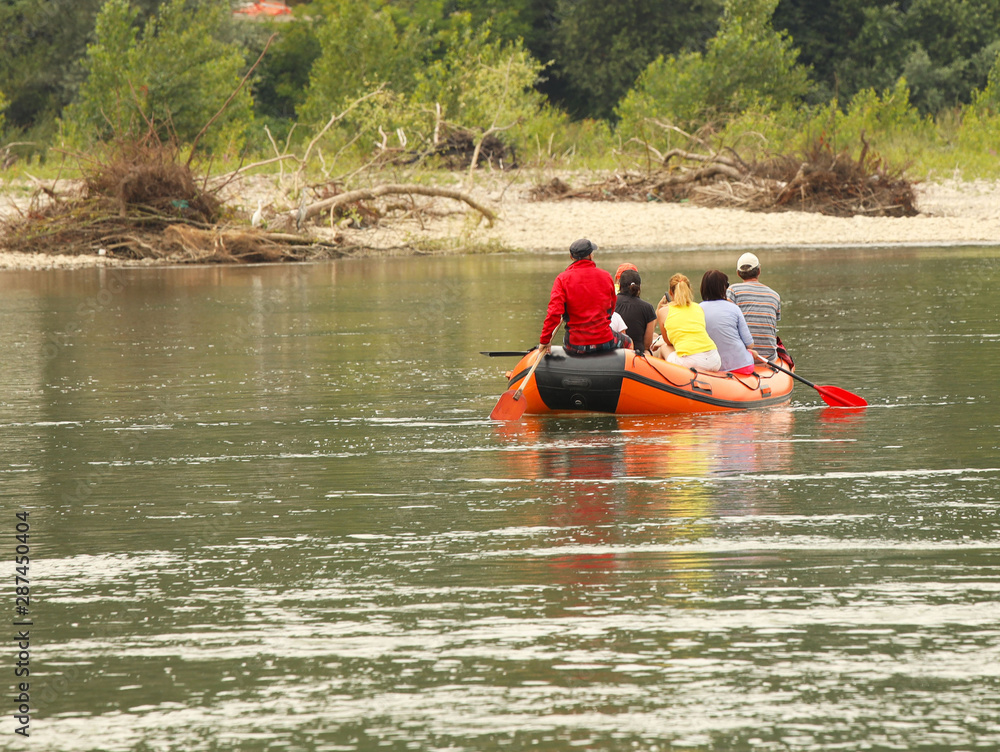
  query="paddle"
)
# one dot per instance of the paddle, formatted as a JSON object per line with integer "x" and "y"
{"x": 832, "y": 395}
{"x": 504, "y": 353}
{"x": 510, "y": 406}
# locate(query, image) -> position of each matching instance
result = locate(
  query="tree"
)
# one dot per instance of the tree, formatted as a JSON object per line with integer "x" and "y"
{"x": 480, "y": 82}
{"x": 384, "y": 80}
{"x": 750, "y": 62}
{"x": 41, "y": 45}
{"x": 283, "y": 76}
{"x": 360, "y": 49}
{"x": 600, "y": 48}
{"x": 944, "y": 48}
{"x": 746, "y": 65}
{"x": 176, "y": 74}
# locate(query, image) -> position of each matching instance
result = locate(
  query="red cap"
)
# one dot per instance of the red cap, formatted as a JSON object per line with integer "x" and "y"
{"x": 622, "y": 268}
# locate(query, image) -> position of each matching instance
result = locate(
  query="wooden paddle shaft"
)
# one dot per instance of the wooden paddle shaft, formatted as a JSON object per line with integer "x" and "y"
{"x": 520, "y": 389}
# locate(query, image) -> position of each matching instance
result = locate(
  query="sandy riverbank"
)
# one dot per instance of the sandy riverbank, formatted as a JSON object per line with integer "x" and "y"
{"x": 951, "y": 213}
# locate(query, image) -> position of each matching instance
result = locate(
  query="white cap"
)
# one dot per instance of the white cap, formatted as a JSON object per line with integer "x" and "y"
{"x": 747, "y": 261}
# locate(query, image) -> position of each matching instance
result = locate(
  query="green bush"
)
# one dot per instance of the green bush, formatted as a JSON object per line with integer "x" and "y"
{"x": 470, "y": 80}
{"x": 987, "y": 101}
{"x": 888, "y": 122}
{"x": 480, "y": 82}
{"x": 971, "y": 148}
{"x": 746, "y": 66}
{"x": 282, "y": 79}
{"x": 360, "y": 48}
{"x": 176, "y": 75}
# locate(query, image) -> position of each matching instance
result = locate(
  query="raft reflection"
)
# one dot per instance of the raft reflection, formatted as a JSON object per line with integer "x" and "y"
{"x": 608, "y": 481}
{"x": 660, "y": 446}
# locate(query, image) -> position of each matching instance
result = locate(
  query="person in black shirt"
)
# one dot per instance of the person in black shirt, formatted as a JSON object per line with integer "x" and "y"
{"x": 639, "y": 316}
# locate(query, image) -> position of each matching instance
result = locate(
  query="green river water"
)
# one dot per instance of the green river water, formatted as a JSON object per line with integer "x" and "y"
{"x": 267, "y": 510}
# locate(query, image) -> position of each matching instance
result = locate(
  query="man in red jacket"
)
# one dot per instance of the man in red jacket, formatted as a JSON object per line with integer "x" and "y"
{"x": 584, "y": 297}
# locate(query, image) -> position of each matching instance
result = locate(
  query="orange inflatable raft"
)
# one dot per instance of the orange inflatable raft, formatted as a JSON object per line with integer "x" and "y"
{"x": 625, "y": 383}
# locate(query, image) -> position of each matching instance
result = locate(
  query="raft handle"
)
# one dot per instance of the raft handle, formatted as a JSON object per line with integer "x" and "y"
{"x": 701, "y": 386}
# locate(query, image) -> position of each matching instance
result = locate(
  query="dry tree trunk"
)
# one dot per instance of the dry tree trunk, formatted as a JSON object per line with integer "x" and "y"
{"x": 696, "y": 157}
{"x": 367, "y": 194}
{"x": 709, "y": 171}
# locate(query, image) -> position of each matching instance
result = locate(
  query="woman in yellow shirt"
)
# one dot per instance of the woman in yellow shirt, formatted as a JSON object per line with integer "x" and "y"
{"x": 682, "y": 322}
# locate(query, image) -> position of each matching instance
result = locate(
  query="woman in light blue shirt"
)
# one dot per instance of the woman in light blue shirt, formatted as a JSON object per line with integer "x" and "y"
{"x": 725, "y": 324}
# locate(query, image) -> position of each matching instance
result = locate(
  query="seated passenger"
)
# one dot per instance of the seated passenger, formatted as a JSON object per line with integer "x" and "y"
{"x": 638, "y": 315}
{"x": 618, "y": 273}
{"x": 725, "y": 324}
{"x": 685, "y": 340}
{"x": 760, "y": 304}
{"x": 583, "y": 296}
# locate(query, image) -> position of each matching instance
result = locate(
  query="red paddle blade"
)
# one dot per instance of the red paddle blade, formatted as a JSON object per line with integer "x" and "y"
{"x": 837, "y": 397}
{"x": 510, "y": 406}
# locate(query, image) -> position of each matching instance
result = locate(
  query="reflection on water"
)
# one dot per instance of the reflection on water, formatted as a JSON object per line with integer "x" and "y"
{"x": 270, "y": 513}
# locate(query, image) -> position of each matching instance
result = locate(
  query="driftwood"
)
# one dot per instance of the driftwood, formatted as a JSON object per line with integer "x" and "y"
{"x": 141, "y": 202}
{"x": 368, "y": 194}
{"x": 819, "y": 181}
{"x": 191, "y": 244}
{"x": 710, "y": 170}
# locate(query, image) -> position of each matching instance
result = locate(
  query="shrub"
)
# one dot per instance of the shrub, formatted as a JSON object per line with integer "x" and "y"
{"x": 473, "y": 82}
{"x": 747, "y": 65}
{"x": 480, "y": 82}
{"x": 359, "y": 49}
{"x": 176, "y": 74}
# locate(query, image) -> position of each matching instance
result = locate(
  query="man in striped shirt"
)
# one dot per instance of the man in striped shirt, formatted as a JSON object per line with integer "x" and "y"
{"x": 760, "y": 304}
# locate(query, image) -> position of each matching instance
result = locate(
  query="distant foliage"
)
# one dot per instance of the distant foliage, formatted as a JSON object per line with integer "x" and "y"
{"x": 42, "y": 43}
{"x": 887, "y": 122}
{"x": 360, "y": 48}
{"x": 469, "y": 79}
{"x": 975, "y": 143}
{"x": 891, "y": 114}
{"x": 556, "y": 80}
{"x": 987, "y": 101}
{"x": 747, "y": 65}
{"x": 599, "y": 48}
{"x": 480, "y": 82}
{"x": 283, "y": 76}
{"x": 176, "y": 73}
{"x": 944, "y": 48}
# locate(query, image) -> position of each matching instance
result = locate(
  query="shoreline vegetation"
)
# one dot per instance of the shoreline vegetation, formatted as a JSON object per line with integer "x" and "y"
{"x": 947, "y": 213}
{"x": 397, "y": 131}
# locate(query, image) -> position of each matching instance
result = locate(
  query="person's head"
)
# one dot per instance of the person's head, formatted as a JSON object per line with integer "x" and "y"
{"x": 581, "y": 249}
{"x": 680, "y": 290}
{"x": 630, "y": 283}
{"x": 622, "y": 268}
{"x": 714, "y": 285}
{"x": 748, "y": 266}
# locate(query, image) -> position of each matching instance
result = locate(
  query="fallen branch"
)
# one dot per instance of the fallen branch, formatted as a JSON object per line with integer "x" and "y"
{"x": 367, "y": 194}
{"x": 817, "y": 180}
{"x": 709, "y": 171}
{"x": 695, "y": 157}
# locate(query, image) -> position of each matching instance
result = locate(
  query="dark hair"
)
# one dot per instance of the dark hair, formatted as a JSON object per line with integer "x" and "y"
{"x": 749, "y": 273}
{"x": 630, "y": 282}
{"x": 714, "y": 285}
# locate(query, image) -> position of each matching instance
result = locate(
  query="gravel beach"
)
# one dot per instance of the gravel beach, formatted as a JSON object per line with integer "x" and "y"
{"x": 952, "y": 213}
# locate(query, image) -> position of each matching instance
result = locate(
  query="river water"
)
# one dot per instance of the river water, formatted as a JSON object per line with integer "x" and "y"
{"x": 267, "y": 510}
